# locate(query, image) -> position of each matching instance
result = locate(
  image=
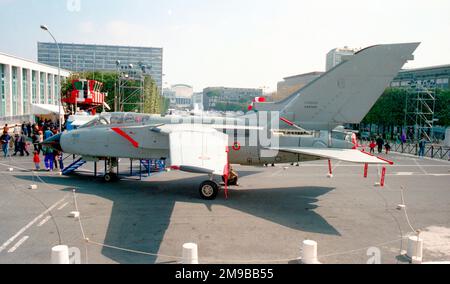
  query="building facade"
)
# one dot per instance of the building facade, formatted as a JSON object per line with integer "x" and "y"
{"x": 291, "y": 84}
{"x": 24, "y": 83}
{"x": 197, "y": 101}
{"x": 338, "y": 55}
{"x": 180, "y": 96}
{"x": 88, "y": 57}
{"x": 229, "y": 99}
{"x": 438, "y": 76}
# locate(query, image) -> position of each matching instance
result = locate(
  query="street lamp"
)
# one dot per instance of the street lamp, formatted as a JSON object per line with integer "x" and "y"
{"x": 45, "y": 28}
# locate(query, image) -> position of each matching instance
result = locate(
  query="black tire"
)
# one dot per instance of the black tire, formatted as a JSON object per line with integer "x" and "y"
{"x": 209, "y": 190}
{"x": 109, "y": 177}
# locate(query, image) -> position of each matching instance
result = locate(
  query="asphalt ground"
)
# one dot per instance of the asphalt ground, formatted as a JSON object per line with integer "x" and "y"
{"x": 264, "y": 220}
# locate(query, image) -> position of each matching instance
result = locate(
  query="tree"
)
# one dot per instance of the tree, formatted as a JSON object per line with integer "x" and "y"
{"x": 153, "y": 102}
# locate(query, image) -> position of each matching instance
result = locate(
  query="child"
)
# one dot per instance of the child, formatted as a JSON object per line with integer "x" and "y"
{"x": 49, "y": 158}
{"x": 37, "y": 161}
{"x": 388, "y": 148}
{"x": 372, "y": 147}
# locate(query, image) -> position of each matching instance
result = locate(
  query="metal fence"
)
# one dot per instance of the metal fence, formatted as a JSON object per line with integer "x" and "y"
{"x": 431, "y": 151}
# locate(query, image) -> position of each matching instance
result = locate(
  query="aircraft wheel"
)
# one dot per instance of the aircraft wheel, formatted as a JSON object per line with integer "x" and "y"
{"x": 109, "y": 177}
{"x": 209, "y": 190}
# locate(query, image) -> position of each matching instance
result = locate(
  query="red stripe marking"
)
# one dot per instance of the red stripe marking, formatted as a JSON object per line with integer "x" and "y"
{"x": 287, "y": 121}
{"x": 384, "y": 160}
{"x": 126, "y": 136}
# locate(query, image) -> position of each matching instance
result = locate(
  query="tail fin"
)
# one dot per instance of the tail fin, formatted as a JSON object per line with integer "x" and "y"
{"x": 346, "y": 93}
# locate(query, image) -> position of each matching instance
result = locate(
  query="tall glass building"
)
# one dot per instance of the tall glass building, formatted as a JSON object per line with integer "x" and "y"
{"x": 86, "y": 57}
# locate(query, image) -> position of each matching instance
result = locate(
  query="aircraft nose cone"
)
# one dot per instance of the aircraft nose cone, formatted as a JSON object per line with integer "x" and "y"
{"x": 53, "y": 142}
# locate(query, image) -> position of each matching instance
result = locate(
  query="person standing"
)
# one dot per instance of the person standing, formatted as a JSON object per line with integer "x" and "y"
{"x": 387, "y": 147}
{"x": 6, "y": 128}
{"x": 29, "y": 129}
{"x": 5, "y": 138}
{"x": 24, "y": 128}
{"x": 372, "y": 147}
{"x": 23, "y": 145}
{"x": 35, "y": 141}
{"x": 380, "y": 143}
{"x": 49, "y": 158}
{"x": 17, "y": 130}
{"x": 422, "y": 144}
{"x": 37, "y": 161}
{"x": 47, "y": 134}
{"x": 40, "y": 140}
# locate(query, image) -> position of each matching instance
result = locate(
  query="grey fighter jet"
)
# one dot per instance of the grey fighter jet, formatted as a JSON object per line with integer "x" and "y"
{"x": 303, "y": 127}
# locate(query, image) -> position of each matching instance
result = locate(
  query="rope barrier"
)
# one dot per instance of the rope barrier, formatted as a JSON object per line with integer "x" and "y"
{"x": 88, "y": 241}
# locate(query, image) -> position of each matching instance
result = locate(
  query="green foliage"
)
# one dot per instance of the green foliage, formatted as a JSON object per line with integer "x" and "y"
{"x": 390, "y": 108}
{"x": 212, "y": 94}
{"x": 443, "y": 107}
{"x": 229, "y": 107}
{"x": 153, "y": 102}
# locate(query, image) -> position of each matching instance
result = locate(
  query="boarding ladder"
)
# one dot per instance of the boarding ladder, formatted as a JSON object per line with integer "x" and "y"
{"x": 153, "y": 166}
{"x": 74, "y": 166}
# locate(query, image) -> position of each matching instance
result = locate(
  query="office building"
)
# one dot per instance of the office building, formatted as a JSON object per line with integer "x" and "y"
{"x": 291, "y": 84}
{"x": 87, "y": 57}
{"x": 24, "y": 83}
{"x": 438, "y": 76}
{"x": 197, "y": 100}
{"x": 338, "y": 55}
{"x": 180, "y": 96}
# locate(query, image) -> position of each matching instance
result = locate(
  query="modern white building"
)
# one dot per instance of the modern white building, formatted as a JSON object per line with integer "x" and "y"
{"x": 24, "y": 83}
{"x": 338, "y": 55}
{"x": 180, "y": 96}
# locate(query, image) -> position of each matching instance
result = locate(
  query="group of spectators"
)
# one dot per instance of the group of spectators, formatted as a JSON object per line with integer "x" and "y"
{"x": 18, "y": 139}
{"x": 380, "y": 143}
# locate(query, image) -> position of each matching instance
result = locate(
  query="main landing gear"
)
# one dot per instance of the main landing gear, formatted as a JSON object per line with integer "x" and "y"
{"x": 110, "y": 164}
{"x": 210, "y": 189}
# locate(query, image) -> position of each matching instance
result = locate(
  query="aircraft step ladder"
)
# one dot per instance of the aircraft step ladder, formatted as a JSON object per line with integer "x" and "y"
{"x": 153, "y": 166}
{"x": 74, "y": 166}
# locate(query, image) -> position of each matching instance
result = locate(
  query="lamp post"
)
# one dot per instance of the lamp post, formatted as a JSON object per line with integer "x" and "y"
{"x": 45, "y": 28}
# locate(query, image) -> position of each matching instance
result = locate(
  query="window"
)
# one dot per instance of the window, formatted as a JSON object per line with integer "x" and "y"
{"x": 42, "y": 88}
{"x": 49, "y": 89}
{"x": 25, "y": 94}
{"x": 15, "y": 92}
{"x": 2, "y": 91}
{"x": 33, "y": 87}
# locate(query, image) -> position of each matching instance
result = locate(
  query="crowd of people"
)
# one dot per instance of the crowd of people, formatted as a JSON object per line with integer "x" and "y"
{"x": 19, "y": 139}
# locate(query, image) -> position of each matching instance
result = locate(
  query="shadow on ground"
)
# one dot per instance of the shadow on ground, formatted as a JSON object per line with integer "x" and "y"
{"x": 141, "y": 211}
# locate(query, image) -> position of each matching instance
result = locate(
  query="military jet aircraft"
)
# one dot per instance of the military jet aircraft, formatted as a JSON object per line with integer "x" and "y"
{"x": 209, "y": 145}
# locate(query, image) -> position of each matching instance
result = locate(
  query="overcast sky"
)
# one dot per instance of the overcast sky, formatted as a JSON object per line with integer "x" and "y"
{"x": 236, "y": 43}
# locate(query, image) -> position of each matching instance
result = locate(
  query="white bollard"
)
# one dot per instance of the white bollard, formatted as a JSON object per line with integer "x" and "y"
{"x": 309, "y": 252}
{"x": 415, "y": 249}
{"x": 74, "y": 214}
{"x": 401, "y": 207}
{"x": 60, "y": 255}
{"x": 33, "y": 187}
{"x": 190, "y": 253}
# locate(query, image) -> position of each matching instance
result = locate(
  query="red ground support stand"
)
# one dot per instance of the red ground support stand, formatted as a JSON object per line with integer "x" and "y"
{"x": 330, "y": 168}
{"x": 366, "y": 170}
{"x": 383, "y": 177}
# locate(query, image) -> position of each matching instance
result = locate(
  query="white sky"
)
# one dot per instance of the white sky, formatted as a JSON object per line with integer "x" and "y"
{"x": 236, "y": 43}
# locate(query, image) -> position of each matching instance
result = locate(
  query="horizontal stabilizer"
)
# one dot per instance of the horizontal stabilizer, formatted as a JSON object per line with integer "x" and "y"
{"x": 345, "y": 155}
